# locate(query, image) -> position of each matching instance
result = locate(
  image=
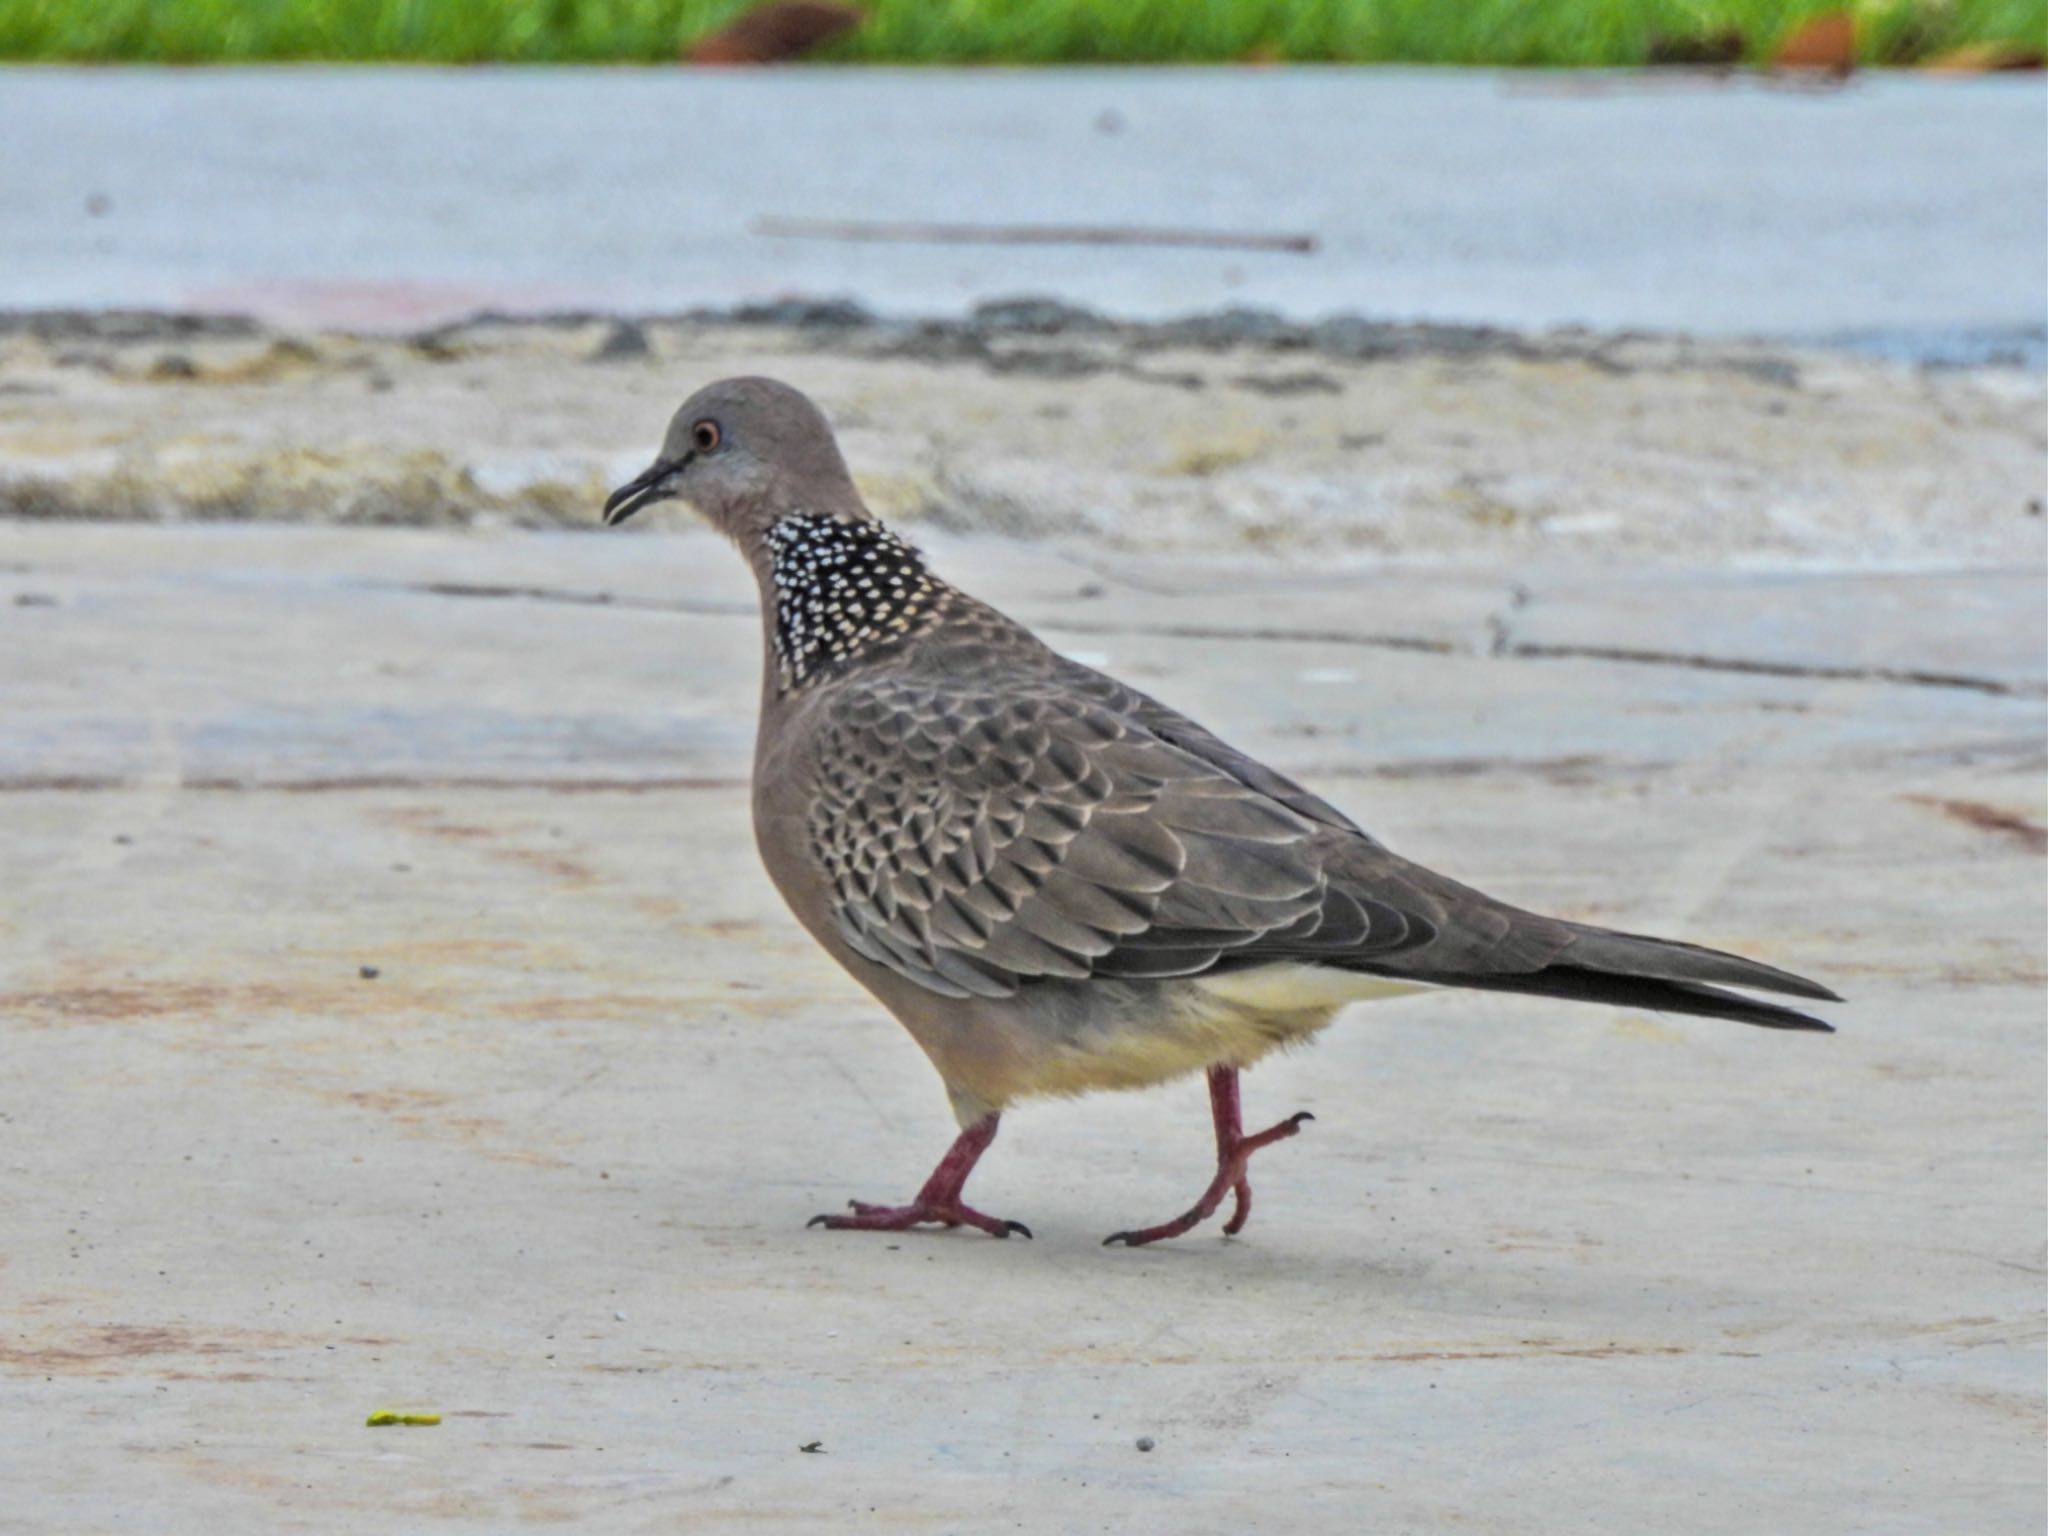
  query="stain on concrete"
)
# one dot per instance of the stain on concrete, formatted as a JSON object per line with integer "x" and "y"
{"x": 1998, "y": 821}
{"x": 112, "y": 1005}
{"x": 1529, "y": 1348}
{"x": 493, "y": 842}
{"x": 115, "y": 1349}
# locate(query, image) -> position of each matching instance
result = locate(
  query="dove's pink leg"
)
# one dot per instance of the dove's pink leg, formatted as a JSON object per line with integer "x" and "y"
{"x": 1234, "y": 1152}
{"x": 939, "y": 1202}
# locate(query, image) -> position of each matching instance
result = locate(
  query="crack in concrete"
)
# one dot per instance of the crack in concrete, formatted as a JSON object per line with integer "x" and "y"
{"x": 99, "y": 783}
{"x": 1910, "y": 677}
{"x": 1501, "y": 643}
{"x": 1273, "y": 632}
{"x": 562, "y": 595}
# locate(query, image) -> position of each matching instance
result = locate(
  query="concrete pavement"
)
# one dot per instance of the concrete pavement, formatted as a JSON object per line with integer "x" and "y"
{"x": 545, "y": 1173}
{"x": 1909, "y": 210}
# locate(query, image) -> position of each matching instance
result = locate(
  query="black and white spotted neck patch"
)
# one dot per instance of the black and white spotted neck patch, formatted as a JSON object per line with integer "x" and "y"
{"x": 842, "y": 588}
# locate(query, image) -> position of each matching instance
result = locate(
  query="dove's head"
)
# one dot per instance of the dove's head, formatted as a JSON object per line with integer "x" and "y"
{"x": 744, "y": 452}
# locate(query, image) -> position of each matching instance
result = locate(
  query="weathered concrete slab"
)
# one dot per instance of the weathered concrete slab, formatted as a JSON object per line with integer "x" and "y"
{"x": 398, "y": 197}
{"x": 546, "y": 1173}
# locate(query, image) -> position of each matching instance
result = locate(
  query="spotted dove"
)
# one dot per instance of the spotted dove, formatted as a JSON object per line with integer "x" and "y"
{"x": 1056, "y": 883}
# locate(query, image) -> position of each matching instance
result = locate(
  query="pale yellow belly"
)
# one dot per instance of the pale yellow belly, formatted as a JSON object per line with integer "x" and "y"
{"x": 1230, "y": 1019}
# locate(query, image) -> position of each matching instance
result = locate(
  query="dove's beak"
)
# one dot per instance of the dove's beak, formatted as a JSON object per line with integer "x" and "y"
{"x": 651, "y": 485}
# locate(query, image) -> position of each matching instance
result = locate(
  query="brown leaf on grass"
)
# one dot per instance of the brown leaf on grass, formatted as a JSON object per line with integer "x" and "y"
{"x": 768, "y": 34}
{"x": 1987, "y": 59}
{"x": 1826, "y": 42}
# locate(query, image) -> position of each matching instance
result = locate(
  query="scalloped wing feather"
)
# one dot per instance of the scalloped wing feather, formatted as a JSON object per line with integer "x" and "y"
{"x": 975, "y": 842}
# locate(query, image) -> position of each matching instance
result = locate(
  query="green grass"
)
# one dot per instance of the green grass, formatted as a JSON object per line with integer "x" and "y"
{"x": 1496, "y": 32}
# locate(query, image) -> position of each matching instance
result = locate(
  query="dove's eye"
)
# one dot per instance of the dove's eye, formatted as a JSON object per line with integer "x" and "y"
{"x": 705, "y": 435}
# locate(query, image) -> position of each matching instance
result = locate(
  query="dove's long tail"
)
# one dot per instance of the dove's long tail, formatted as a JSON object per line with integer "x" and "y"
{"x": 1599, "y": 965}
{"x": 1581, "y": 985}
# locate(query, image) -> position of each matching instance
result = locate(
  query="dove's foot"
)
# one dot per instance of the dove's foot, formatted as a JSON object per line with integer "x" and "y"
{"x": 1234, "y": 1152}
{"x": 919, "y": 1213}
{"x": 939, "y": 1202}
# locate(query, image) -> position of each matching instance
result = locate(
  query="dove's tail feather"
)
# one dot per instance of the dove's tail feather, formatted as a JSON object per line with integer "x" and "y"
{"x": 1449, "y": 935}
{"x": 1578, "y": 984}
{"x": 1633, "y": 954}
{"x": 1583, "y": 963}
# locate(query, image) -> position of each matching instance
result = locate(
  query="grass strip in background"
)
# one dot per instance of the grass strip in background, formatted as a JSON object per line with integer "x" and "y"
{"x": 1589, "y": 33}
